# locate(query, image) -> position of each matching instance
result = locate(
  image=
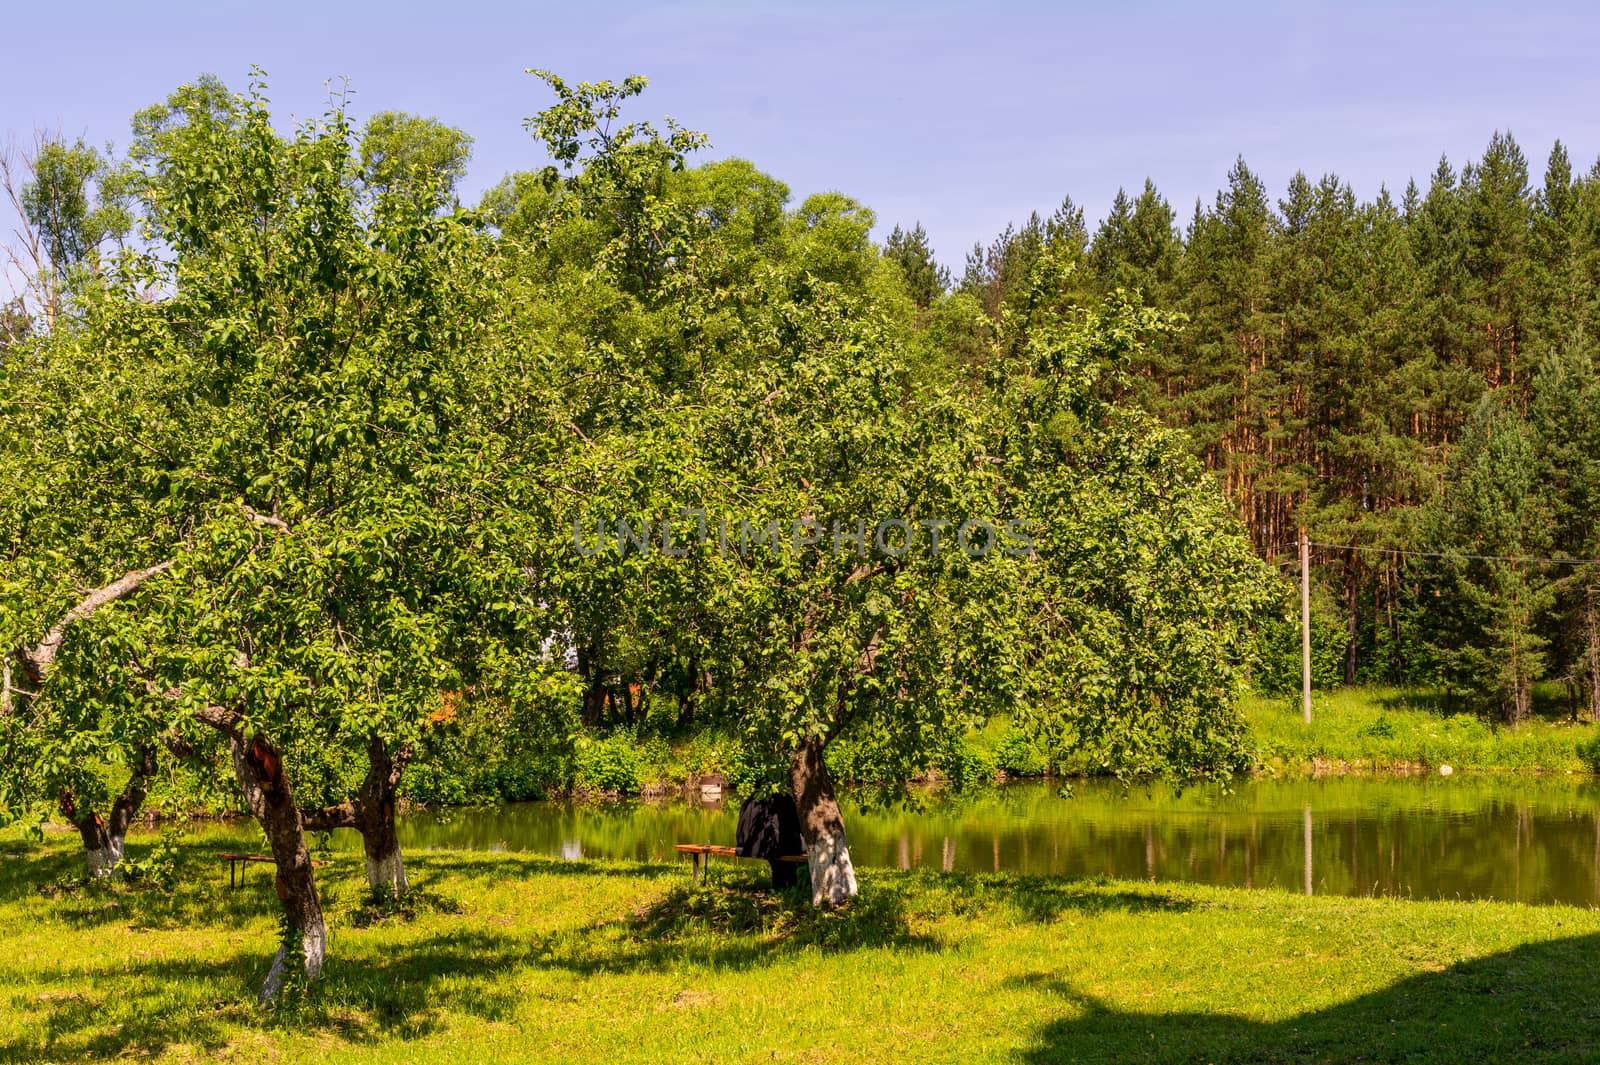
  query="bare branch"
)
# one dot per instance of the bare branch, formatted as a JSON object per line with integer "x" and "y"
{"x": 340, "y": 815}
{"x": 228, "y": 722}
{"x": 269, "y": 520}
{"x": 38, "y": 662}
{"x": 26, "y": 254}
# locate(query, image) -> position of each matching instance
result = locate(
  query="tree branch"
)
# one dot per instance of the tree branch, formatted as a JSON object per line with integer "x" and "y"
{"x": 38, "y": 662}
{"x": 402, "y": 758}
{"x": 229, "y": 722}
{"x": 270, "y": 520}
{"x": 340, "y": 815}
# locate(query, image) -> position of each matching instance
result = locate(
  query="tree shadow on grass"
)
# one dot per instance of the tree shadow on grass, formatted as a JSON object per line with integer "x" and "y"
{"x": 110, "y": 1011}
{"x": 201, "y": 896}
{"x": 1043, "y": 899}
{"x": 737, "y": 923}
{"x": 1533, "y": 1003}
{"x": 510, "y": 865}
{"x": 399, "y": 982}
{"x": 26, "y": 867}
{"x": 144, "y": 1008}
{"x": 1549, "y": 704}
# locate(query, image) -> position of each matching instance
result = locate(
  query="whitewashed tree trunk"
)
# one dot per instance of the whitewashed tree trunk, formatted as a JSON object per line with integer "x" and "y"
{"x": 372, "y": 813}
{"x": 313, "y": 947}
{"x": 387, "y": 874}
{"x": 833, "y": 876}
{"x": 269, "y": 794}
{"x": 386, "y": 869}
{"x": 103, "y": 861}
{"x": 103, "y": 838}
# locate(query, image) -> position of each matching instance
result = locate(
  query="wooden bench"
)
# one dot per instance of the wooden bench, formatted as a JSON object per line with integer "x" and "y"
{"x": 238, "y": 862}
{"x": 700, "y": 854}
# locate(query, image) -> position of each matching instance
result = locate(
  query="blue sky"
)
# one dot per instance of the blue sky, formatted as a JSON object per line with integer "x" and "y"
{"x": 961, "y": 117}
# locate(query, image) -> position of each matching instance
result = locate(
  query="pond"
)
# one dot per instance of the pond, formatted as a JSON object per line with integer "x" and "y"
{"x": 1522, "y": 839}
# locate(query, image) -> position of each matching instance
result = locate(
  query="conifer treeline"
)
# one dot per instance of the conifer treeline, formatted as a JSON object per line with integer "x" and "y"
{"x": 1366, "y": 369}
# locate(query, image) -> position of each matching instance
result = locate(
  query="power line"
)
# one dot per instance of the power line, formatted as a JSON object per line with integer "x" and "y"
{"x": 1461, "y": 555}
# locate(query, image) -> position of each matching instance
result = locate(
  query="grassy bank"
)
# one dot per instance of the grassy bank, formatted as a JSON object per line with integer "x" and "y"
{"x": 1382, "y": 730}
{"x": 551, "y": 961}
{"x": 1353, "y": 730}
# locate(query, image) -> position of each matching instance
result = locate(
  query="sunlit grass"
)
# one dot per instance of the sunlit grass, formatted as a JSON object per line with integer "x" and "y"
{"x": 621, "y": 962}
{"x": 1387, "y": 728}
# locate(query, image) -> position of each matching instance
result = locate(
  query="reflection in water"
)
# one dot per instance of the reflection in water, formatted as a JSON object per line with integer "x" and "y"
{"x": 1307, "y": 848}
{"x": 1529, "y": 840}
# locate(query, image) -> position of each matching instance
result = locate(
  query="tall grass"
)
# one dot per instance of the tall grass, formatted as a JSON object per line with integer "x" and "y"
{"x": 1381, "y": 729}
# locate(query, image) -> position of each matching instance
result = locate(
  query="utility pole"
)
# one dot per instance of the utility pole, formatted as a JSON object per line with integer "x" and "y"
{"x": 1305, "y": 625}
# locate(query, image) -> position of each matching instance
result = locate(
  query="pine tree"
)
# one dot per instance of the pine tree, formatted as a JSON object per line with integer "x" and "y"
{"x": 1111, "y": 250}
{"x": 925, "y": 279}
{"x": 1493, "y": 519}
{"x": 1566, "y": 414}
{"x": 1227, "y": 283}
{"x": 1137, "y": 247}
{"x": 1552, "y": 315}
{"x": 1498, "y": 212}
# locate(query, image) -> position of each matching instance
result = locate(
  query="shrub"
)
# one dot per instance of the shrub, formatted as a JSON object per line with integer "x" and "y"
{"x": 1379, "y": 727}
{"x": 706, "y": 754}
{"x": 608, "y": 765}
{"x": 967, "y": 764}
{"x": 158, "y": 867}
{"x": 1019, "y": 756}
{"x": 490, "y": 750}
{"x": 531, "y": 776}
{"x": 1589, "y": 752}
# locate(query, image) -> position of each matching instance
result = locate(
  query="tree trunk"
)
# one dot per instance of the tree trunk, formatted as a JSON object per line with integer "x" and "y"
{"x": 833, "y": 877}
{"x": 104, "y": 838}
{"x": 270, "y": 797}
{"x": 102, "y": 852}
{"x": 594, "y": 690}
{"x": 372, "y": 814}
{"x": 386, "y": 870}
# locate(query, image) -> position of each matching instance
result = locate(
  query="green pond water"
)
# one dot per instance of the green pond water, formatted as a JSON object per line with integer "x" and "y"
{"x": 1520, "y": 839}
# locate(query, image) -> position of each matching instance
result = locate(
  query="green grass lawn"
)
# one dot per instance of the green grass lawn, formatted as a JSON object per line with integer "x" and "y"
{"x": 539, "y": 960}
{"x": 1380, "y": 729}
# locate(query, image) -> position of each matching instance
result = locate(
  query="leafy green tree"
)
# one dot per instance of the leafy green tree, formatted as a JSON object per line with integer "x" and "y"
{"x": 404, "y": 153}
{"x": 1133, "y": 616}
{"x": 91, "y": 509}
{"x": 69, "y": 201}
{"x": 778, "y": 453}
{"x": 327, "y": 384}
